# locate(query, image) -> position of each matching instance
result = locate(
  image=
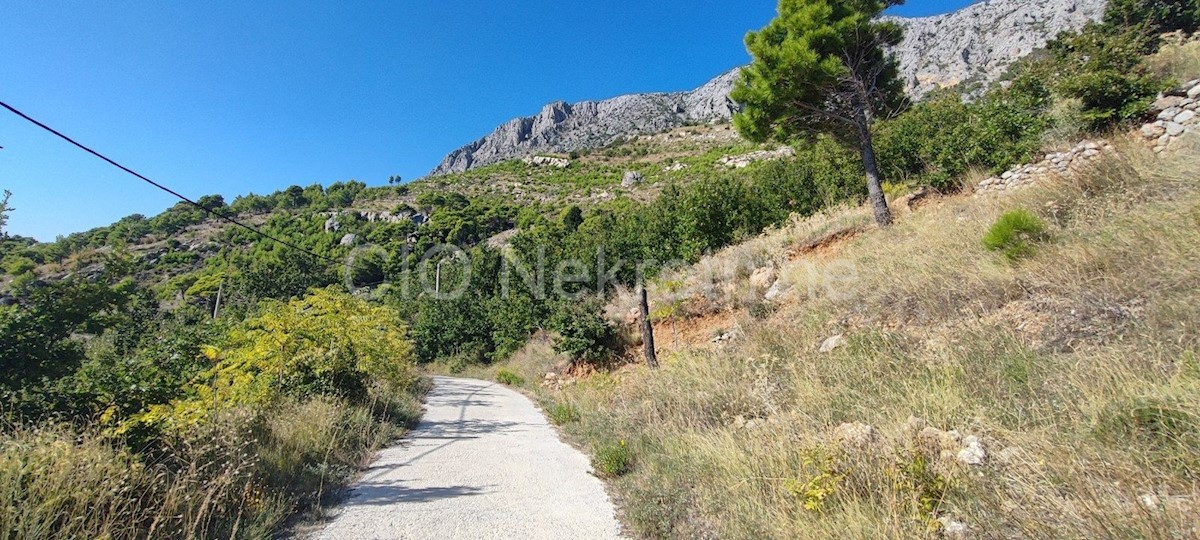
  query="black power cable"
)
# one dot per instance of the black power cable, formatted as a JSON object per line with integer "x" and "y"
{"x": 208, "y": 211}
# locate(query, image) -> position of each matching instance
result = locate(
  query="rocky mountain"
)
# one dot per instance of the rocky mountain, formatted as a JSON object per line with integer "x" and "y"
{"x": 565, "y": 127}
{"x": 977, "y": 43}
{"x": 974, "y": 44}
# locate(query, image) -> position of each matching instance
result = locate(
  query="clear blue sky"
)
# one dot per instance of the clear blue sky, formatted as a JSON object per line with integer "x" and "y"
{"x": 239, "y": 97}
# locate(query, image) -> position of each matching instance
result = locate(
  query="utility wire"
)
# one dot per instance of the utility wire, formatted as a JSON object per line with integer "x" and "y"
{"x": 209, "y": 211}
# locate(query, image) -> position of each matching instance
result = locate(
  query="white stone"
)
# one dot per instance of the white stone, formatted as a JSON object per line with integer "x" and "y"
{"x": 776, "y": 290}
{"x": 972, "y": 452}
{"x": 1164, "y": 140}
{"x": 833, "y": 343}
{"x": 1194, "y": 93}
{"x": 1184, "y": 116}
{"x": 856, "y": 435}
{"x": 954, "y": 529}
{"x": 763, "y": 278}
{"x": 1169, "y": 114}
{"x": 1152, "y": 131}
{"x": 1174, "y": 129}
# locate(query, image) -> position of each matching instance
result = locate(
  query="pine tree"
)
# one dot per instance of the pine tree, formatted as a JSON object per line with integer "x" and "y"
{"x": 4, "y": 210}
{"x": 821, "y": 67}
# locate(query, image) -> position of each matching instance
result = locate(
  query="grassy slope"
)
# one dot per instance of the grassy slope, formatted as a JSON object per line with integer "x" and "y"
{"x": 1077, "y": 368}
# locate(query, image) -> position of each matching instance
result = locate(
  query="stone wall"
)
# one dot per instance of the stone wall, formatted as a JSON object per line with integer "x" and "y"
{"x": 1177, "y": 115}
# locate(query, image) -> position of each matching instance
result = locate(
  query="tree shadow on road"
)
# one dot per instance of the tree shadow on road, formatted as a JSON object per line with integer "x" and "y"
{"x": 386, "y": 493}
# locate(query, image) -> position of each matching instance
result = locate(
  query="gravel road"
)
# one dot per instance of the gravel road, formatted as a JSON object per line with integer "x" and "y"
{"x": 483, "y": 463}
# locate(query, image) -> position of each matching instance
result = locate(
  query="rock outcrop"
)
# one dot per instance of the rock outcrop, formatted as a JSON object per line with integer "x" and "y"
{"x": 564, "y": 127}
{"x": 976, "y": 44}
{"x": 973, "y": 45}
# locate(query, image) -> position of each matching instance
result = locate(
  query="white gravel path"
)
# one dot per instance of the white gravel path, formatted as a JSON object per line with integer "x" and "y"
{"x": 483, "y": 463}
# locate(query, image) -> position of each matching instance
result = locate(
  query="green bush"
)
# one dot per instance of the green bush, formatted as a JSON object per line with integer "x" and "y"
{"x": 1154, "y": 17}
{"x": 1015, "y": 233}
{"x": 584, "y": 334}
{"x": 505, "y": 376}
{"x": 1103, "y": 67}
{"x": 613, "y": 459}
{"x": 563, "y": 413}
{"x": 941, "y": 138}
{"x": 18, "y": 265}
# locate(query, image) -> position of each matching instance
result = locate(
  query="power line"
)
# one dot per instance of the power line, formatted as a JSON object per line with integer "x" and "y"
{"x": 165, "y": 188}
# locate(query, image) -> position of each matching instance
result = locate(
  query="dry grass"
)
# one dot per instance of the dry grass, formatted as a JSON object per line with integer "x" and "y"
{"x": 241, "y": 476}
{"x": 1179, "y": 60}
{"x": 1077, "y": 368}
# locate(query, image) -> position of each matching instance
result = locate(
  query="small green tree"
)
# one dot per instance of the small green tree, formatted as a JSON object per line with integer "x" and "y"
{"x": 1102, "y": 68}
{"x": 4, "y": 210}
{"x": 571, "y": 218}
{"x": 820, "y": 67}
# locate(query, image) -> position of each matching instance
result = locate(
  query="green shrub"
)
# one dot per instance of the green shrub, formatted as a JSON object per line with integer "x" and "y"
{"x": 1015, "y": 233}
{"x": 1154, "y": 17}
{"x": 613, "y": 459}
{"x": 762, "y": 309}
{"x": 19, "y": 265}
{"x": 563, "y": 413}
{"x": 1103, "y": 68}
{"x": 584, "y": 334}
{"x": 941, "y": 138}
{"x": 505, "y": 376}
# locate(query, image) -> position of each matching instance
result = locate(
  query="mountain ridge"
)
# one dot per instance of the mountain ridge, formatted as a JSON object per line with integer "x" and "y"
{"x": 974, "y": 44}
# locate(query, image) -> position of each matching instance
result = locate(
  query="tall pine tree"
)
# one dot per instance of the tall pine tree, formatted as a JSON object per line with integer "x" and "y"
{"x": 821, "y": 67}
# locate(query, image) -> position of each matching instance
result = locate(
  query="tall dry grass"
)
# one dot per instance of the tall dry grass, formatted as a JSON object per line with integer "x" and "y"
{"x": 1178, "y": 59}
{"x": 244, "y": 474}
{"x": 1077, "y": 369}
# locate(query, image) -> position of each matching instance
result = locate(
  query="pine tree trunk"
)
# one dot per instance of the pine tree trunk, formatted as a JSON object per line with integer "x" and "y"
{"x": 866, "y": 147}
{"x": 647, "y": 329}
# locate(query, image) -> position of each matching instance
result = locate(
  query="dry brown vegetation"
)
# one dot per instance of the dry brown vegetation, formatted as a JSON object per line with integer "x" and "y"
{"x": 1076, "y": 368}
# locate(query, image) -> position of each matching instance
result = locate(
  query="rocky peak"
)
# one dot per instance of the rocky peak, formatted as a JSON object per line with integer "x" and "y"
{"x": 976, "y": 44}
{"x": 563, "y": 127}
{"x": 973, "y": 45}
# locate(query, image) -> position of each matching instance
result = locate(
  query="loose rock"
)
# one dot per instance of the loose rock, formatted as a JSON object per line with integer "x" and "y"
{"x": 763, "y": 278}
{"x": 856, "y": 435}
{"x": 973, "y": 452}
{"x": 833, "y": 343}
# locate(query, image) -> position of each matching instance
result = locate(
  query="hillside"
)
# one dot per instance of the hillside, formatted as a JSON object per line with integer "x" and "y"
{"x": 1012, "y": 356}
{"x": 973, "y": 46}
{"x": 829, "y": 379}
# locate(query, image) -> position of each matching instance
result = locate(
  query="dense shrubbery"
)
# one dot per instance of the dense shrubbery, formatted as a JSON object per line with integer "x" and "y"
{"x": 214, "y": 427}
{"x": 943, "y": 137}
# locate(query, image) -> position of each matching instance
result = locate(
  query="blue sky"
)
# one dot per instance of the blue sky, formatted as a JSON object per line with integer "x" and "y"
{"x": 239, "y": 97}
